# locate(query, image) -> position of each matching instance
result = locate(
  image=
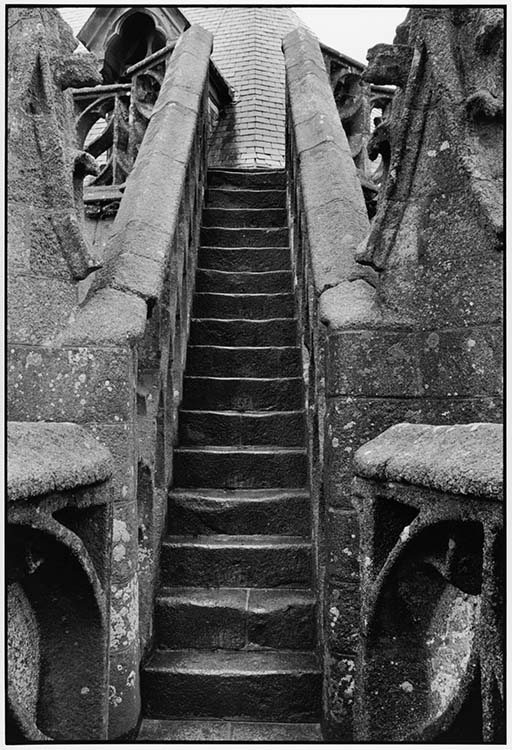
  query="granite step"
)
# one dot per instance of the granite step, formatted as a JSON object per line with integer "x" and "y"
{"x": 243, "y": 282}
{"x": 240, "y": 198}
{"x": 241, "y": 237}
{"x": 247, "y": 428}
{"x": 239, "y": 467}
{"x": 272, "y": 686}
{"x": 221, "y": 511}
{"x": 245, "y": 362}
{"x": 229, "y": 560}
{"x": 258, "y": 306}
{"x": 247, "y": 178}
{"x": 234, "y": 618}
{"x": 244, "y": 217}
{"x": 243, "y": 332}
{"x": 216, "y": 730}
{"x": 236, "y": 259}
{"x": 242, "y": 394}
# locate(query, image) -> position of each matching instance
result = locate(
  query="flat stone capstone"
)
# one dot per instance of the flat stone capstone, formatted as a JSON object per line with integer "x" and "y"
{"x": 45, "y": 457}
{"x": 459, "y": 459}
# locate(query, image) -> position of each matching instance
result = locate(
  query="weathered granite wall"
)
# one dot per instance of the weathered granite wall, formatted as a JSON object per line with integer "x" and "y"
{"x": 115, "y": 362}
{"x": 431, "y": 662}
{"x": 418, "y": 338}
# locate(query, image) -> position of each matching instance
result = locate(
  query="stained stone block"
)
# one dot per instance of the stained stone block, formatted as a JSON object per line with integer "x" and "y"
{"x": 353, "y": 422}
{"x": 342, "y": 614}
{"x": 77, "y": 384}
{"x": 375, "y": 363}
{"x": 38, "y": 308}
{"x": 342, "y": 542}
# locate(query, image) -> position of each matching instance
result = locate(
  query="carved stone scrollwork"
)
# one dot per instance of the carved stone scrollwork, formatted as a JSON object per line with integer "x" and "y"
{"x": 356, "y": 102}
{"x": 58, "y": 566}
{"x": 432, "y": 562}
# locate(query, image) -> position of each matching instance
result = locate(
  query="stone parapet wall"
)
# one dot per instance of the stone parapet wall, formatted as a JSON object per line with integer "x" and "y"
{"x": 328, "y": 221}
{"x": 432, "y": 562}
{"x": 114, "y": 364}
{"x": 411, "y": 313}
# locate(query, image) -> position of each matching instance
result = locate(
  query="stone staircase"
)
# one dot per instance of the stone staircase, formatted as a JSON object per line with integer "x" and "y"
{"x": 235, "y": 615}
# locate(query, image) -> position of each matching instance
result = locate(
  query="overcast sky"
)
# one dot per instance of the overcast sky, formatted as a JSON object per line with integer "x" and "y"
{"x": 353, "y": 30}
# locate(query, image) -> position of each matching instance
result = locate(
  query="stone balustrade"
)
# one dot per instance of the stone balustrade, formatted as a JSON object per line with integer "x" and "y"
{"x": 432, "y": 560}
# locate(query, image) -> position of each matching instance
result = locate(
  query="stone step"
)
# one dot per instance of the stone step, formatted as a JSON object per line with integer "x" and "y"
{"x": 262, "y": 237}
{"x": 237, "y": 259}
{"x": 225, "y": 561}
{"x": 242, "y": 394}
{"x": 258, "y": 306}
{"x": 209, "y": 511}
{"x": 272, "y": 685}
{"x": 235, "y": 428}
{"x": 239, "y": 467}
{"x": 247, "y": 178}
{"x": 240, "y": 332}
{"x": 227, "y": 282}
{"x": 216, "y": 730}
{"x": 240, "y": 198}
{"x": 244, "y": 217}
{"x": 235, "y": 618}
{"x": 244, "y": 362}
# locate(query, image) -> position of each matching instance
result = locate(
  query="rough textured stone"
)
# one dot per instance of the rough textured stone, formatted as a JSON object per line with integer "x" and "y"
{"x": 351, "y": 422}
{"x": 45, "y": 458}
{"x": 111, "y": 317}
{"x": 462, "y": 459}
{"x": 230, "y": 560}
{"x": 278, "y": 684}
{"x": 432, "y": 566}
{"x": 78, "y": 384}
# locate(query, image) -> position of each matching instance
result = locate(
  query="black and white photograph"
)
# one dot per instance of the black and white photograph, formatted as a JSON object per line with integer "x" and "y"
{"x": 254, "y": 339}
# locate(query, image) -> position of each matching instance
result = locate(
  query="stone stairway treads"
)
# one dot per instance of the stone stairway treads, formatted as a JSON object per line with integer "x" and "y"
{"x": 271, "y": 332}
{"x": 236, "y": 560}
{"x": 216, "y": 730}
{"x": 245, "y": 361}
{"x": 229, "y": 237}
{"x": 258, "y": 179}
{"x": 245, "y": 217}
{"x": 243, "y": 282}
{"x": 242, "y": 394}
{"x": 257, "y": 306}
{"x": 235, "y": 616}
{"x": 221, "y": 511}
{"x": 239, "y": 467}
{"x": 270, "y": 685}
{"x": 252, "y": 259}
{"x": 238, "y": 198}
{"x": 285, "y": 428}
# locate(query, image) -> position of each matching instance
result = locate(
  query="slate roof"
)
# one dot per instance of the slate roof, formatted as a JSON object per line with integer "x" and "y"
{"x": 247, "y": 51}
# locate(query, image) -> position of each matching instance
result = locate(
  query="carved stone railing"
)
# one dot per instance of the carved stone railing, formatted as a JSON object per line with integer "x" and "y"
{"x": 59, "y": 517}
{"x": 112, "y": 120}
{"x": 432, "y": 562}
{"x": 328, "y": 219}
{"x": 363, "y": 110}
{"x": 117, "y": 366}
